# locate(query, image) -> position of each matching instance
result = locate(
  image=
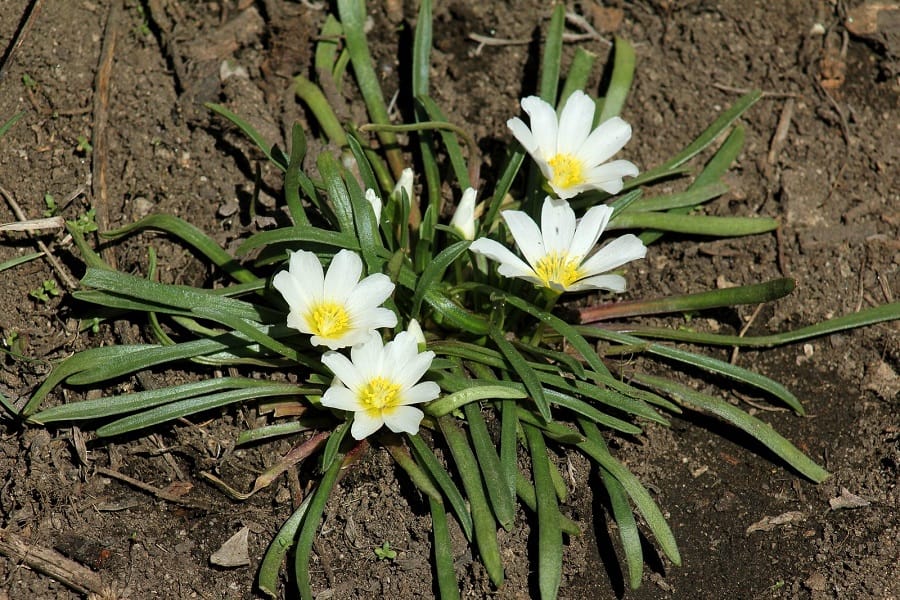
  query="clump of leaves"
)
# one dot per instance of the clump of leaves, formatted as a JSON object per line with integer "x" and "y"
{"x": 513, "y": 375}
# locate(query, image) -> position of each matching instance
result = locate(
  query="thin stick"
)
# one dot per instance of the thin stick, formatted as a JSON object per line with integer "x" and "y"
{"x": 737, "y": 90}
{"x": 159, "y": 493}
{"x": 736, "y": 350}
{"x": 34, "y": 7}
{"x": 54, "y": 263}
{"x": 34, "y": 224}
{"x": 100, "y": 155}
{"x": 50, "y": 563}
{"x": 781, "y": 131}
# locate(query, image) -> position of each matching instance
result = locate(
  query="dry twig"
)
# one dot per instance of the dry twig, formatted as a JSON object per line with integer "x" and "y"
{"x": 50, "y": 563}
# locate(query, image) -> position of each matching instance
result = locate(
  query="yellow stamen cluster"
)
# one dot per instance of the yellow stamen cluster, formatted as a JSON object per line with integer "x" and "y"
{"x": 559, "y": 268}
{"x": 329, "y": 319}
{"x": 379, "y": 394}
{"x": 568, "y": 170}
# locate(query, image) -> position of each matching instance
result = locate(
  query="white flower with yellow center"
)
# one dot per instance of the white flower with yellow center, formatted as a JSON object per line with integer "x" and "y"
{"x": 569, "y": 154}
{"x": 337, "y": 308}
{"x": 557, "y": 252}
{"x": 378, "y": 383}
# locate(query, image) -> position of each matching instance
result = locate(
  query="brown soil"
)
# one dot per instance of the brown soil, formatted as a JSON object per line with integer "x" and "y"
{"x": 834, "y": 185}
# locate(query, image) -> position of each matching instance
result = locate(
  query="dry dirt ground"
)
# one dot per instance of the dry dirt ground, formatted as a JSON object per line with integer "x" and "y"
{"x": 833, "y": 184}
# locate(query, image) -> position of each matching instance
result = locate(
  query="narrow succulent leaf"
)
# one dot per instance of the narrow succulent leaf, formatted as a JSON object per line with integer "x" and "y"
{"x": 485, "y": 528}
{"x": 555, "y": 357}
{"x": 309, "y": 528}
{"x": 115, "y": 405}
{"x": 10, "y": 122}
{"x": 707, "y": 363}
{"x": 525, "y": 373}
{"x": 366, "y": 226}
{"x": 638, "y": 494}
{"x": 695, "y": 196}
{"x": 267, "y": 432}
{"x": 190, "y": 406}
{"x": 366, "y": 174}
{"x": 453, "y": 314}
{"x": 509, "y": 425}
{"x": 416, "y": 474}
{"x": 448, "y": 589}
{"x": 514, "y": 163}
{"x": 863, "y": 318}
{"x": 761, "y": 431}
{"x": 434, "y": 271}
{"x": 620, "y": 80}
{"x": 333, "y": 445}
{"x": 622, "y": 514}
{"x": 353, "y": 18}
{"x": 502, "y": 501}
{"x": 552, "y": 58}
{"x": 586, "y": 410}
{"x": 440, "y": 475}
{"x": 78, "y": 363}
{"x": 553, "y": 430}
{"x": 256, "y": 332}
{"x": 525, "y": 492}
{"x": 315, "y": 99}
{"x": 178, "y": 296}
{"x": 579, "y": 72}
{"x": 298, "y": 236}
{"x": 745, "y": 294}
{"x": 608, "y": 397}
{"x": 710, "y": 134}
{"x": 19, "y": 260}
{"x": 421, "y": 63}
{"x": 550, "y": 548}
{"x": 694, "y": 224}
{"x": 473, "y": 393}
{"x": 269, "y": 569}
{"x": 337, "y": 192}
{"x": 451, "y": 143}
{"x": 569, "y": 333}
{"x": 293, "y": 175}
{"x": 275, "y": 155}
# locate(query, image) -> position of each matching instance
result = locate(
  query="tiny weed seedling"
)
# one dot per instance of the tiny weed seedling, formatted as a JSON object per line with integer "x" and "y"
{"x": 385, "y": 552}
{"x": 47, "y": 290}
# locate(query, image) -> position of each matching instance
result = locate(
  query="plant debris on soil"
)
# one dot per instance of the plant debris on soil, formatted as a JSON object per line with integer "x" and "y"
{"x": 112, "y": 92}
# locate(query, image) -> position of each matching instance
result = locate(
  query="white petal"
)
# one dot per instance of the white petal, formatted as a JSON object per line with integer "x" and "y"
{"x": 376, "y": 204}
{"x": 296, "y": 319}
{"x": 403, "y": 419}
{"x": 609, "y": 137}
{"x": 526, "y": 233}
{"x": 370, "y": 292}
{"x": 413, "y": 370}
{"x": 415, "y": 330}
{"x": 589, "y": 229}
{"x": 343, "y": 275}
{"x": 349, "y": 338}
{"x": 422, "y": 392}
{"x": 510, "y": 264}
{"x": 376, "y": 318}
{"x": 368, "y": 356}
{"x": 302, "y": 284}
{"x": 544, "y": 125}
{"x": 565, "y": 193}
{"x": 339, "y": 397}
{"x": 365, "y": 424}
{"x": 613, "y": 283}
{"x": 398, "y": 353}
{"x": 608, "y": 177}
{"x": 575, "y": 122}
{"x": 343, "y": 369}
{"x": 464, "y": 218}
{"x": 522, "y": 133}
{"x": 557, "y": 225}
{"x": 615, "y": 254}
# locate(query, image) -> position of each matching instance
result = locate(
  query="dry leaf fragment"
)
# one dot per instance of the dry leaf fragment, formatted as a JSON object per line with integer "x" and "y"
{"x": 770, "y": 523}
{"x": 847, "y": 500}
{"x": 233, "y": 553}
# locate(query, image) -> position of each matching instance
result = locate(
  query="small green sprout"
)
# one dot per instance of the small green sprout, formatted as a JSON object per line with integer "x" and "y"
{"x": 84, "y": 145}
{"x": 28, "y": 81}
{"x": 47, "y": 290}
{"x": 85, "y": 223}
{"x": 52, "y": 206}
{"x": 385, "y": 552}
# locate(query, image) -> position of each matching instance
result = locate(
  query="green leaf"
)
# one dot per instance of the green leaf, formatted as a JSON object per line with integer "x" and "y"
{"x": 270, "y": 567}
{"x": 474, "y": 393}
{"x": 552, "y": 58}
{"x": 694, "y": 224}
{"x": 273, "y": 154}
{"x": 337, "y": 192}
{"x": 294, "y": 175}
{"x": 482, "y": 518}
{"x": 502, "y": 501}
{"x": 191, "y": 406}
{"x": 620, "y": 80}
{"x": 333, "y": 445}
{"x": 192, "y": 236}
{"x": 427, "y": 459}
{"x": 763, "y": 432}
{"x": 434, "y": 271}
{"x": 453, "y": 314}
{"x": 299, "y": 236}
{"x": 525, "y": 373}
{"x": 550, "y": 548}
{"x": 448, "y": 589}
{"x": 310, "y": 526}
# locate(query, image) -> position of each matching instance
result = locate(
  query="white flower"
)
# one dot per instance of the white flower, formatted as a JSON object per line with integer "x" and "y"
{"x": 405, "y": 182}
{"x": 557, "y": 252}
{"x": 375, "y": 201}
{"x": 569, "y": 154}
{"x": 338, "y": 309}
{"x": 379, "y": 383}
{"x": 463, "y": 220}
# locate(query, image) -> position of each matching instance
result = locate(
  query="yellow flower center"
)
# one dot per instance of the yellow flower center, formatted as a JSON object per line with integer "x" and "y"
{"x": 567, "y": 170}
{"x": 329, "y": 319}
{"x": 379, "y": 394}
{"x": 558, "y": 268}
